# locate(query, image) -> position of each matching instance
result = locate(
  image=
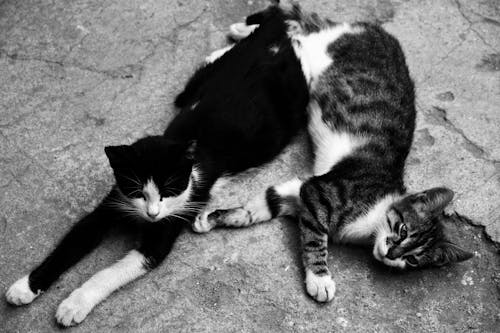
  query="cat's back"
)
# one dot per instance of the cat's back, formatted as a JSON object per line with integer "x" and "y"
{"x": 367, "y": 89}
{"x": 361, "y": 91}
{"x": 368, "y": 68}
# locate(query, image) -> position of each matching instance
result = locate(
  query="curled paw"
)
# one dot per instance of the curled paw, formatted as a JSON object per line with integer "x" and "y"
{"x": 320, "y": 287}
{"x": 202, "y": 223}
{"x": 20, "y": 292}
{"x": 74, "y": 309}
{"x": 240, "y": 30}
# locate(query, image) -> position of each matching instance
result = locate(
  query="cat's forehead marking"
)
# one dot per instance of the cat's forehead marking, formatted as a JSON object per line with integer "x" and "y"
{"x": 151, "y": 191}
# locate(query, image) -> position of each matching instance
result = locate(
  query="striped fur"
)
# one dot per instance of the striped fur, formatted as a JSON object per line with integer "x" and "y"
{"x": 361, "y": 122}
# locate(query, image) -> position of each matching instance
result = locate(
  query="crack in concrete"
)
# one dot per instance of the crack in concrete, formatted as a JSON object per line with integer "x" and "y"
{"x": 441, "y": 117}
{"x": 427, "y": 75}
{"x": 122, "y": 72}
{"x": 116, "y": 73}
{"x": 471, "y": 25}
{"x": 3, "y": 226}
{"x": 465, "y": 219}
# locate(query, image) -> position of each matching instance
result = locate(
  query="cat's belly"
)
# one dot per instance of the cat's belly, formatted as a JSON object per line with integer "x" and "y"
{"x": 330, "y": 146}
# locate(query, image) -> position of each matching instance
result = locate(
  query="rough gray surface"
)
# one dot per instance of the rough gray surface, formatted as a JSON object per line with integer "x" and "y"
{"x": 78, "y": 75}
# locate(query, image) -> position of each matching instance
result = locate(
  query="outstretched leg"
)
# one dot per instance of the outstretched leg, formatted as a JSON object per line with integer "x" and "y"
{"x": 313, "y": 224}
{"x": 79, "y": 241}
{"x": 279, "y": 200}
{"x": 157, "y": 243}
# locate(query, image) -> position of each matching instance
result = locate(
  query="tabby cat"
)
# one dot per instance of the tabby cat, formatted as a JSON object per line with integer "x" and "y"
{"x": 238, "y": 111}
{"x": 361, "y": 122}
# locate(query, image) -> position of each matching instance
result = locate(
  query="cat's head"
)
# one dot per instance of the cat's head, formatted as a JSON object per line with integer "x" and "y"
{"x": 154, "y": 176}
{"x": 413, "y": 235}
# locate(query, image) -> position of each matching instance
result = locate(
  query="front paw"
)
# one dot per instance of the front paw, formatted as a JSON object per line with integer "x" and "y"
{"x": 240, "y": 30}
{"x": 202, "y": 224}
{"x": 20, "y": 292}
{"x": 74, "y": 309}
{"x": 320, "y": 287}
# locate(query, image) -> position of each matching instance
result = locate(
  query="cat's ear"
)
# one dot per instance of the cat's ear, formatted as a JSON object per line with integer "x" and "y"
{"x": 191, "y": 150}
{"x": 118, "y": 156}
{"x": 446, "y": 253}
{"x": 433, "y": 201}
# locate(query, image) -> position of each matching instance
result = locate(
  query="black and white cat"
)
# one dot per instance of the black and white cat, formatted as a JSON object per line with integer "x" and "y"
{"x": 238, "y": 111}
{"x": 361, "y": 122}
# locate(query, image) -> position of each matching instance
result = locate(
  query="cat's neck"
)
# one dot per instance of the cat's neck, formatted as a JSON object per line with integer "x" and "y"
{"x": 370, "y": 225}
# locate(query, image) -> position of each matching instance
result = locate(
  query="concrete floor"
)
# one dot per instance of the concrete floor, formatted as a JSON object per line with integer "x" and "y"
{"x": 78, "y": 75}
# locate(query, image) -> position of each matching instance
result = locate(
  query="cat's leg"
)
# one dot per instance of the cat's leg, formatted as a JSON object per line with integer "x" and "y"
{"x": 313, "y": 224}
{"x": 80, "y": 240}
{"x": 278, "y": 200}
{"x": 156, "y": 244}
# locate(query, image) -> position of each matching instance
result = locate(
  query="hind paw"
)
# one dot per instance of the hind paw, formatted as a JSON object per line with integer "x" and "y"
{"x": 202, "y": 224}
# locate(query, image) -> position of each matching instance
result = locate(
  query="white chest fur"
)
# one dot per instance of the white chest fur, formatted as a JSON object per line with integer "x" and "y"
{"x": 331, "y": 146}
{"x": 374, "y": 222}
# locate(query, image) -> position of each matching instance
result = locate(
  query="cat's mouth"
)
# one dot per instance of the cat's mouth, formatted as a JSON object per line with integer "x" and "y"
{"x": 381, "y": 251}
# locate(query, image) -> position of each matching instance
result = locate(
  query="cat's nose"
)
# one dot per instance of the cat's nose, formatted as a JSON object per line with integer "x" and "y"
{"x": 153, "y": 214}
{"x": 390, "y": 255}
{"x": 393, "y": 253}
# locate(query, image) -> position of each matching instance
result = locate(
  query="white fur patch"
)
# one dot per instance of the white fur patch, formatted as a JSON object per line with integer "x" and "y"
{"x": 217, "y": 54}
{"x": 290, "y": 188}
{"x": 320, "y": 287}
{"x": 219, "y": 185}
{"x": 240, "y": 30}
{"x": 258, "y": 209}
{"x": 20, "y": 293}
{"x": 312, "y": 49}
{"x": 374, "y": 222}
{"x": 155, "y": 208}
{"x": 81, "y": 301}
{"x": 274, "y": 49}
{"x": 331, "y": 146}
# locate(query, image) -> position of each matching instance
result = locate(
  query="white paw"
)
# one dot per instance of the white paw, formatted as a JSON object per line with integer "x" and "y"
{"x": 20, "y": 293}
{"x": 217, "y": 54}
{"x": 74, "y": 309}
{"x": 240, "y": 30}
{"x": 201, "y": 223}
{"x": 321, "y": 288}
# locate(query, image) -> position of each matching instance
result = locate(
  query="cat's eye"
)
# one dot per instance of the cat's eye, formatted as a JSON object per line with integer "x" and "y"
{"x": 411, "y": 260}
{"x": 403, "y": 233}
